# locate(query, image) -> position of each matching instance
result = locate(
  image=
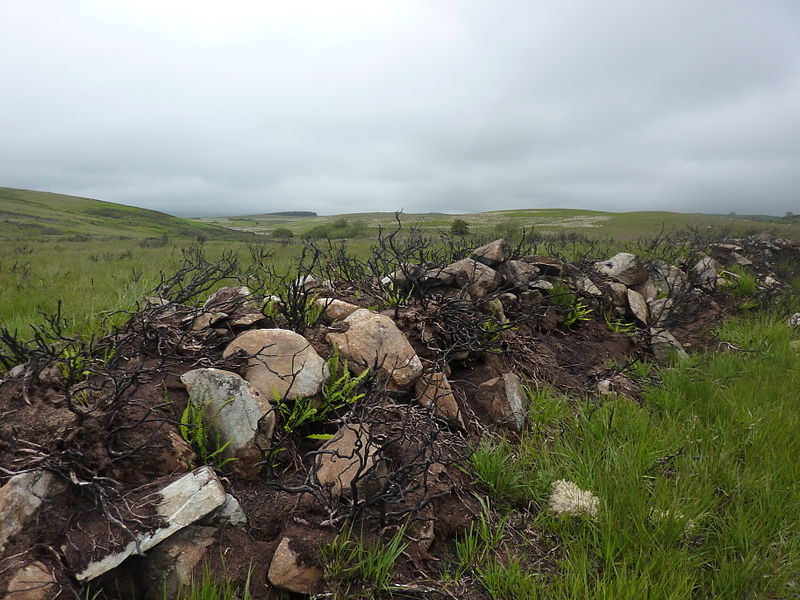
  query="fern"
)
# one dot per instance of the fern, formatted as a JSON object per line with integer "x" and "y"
{"x": 195, "y": 432}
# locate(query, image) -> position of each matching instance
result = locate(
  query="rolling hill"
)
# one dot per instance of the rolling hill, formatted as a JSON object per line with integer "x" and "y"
{"x": 27, "y": 214}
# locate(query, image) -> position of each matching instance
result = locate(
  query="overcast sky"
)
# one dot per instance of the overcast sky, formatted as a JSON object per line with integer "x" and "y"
{"x": 201, "y": 107}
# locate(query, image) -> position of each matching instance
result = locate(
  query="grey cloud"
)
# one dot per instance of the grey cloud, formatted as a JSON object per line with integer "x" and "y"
{"x": 195, "y": 108}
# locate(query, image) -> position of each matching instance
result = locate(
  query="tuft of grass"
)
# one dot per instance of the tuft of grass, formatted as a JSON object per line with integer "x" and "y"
{"x": 209, "y": 587}
{"x": 499, "y": 471}
{"x": 353, "y": 564}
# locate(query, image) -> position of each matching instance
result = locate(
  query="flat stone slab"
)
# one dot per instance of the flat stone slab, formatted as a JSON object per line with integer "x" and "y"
{"x": 183, "y": 502}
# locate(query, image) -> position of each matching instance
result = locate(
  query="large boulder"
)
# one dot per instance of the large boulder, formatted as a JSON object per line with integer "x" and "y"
{"x": 280, "y": 361}
{"x": 21, "y": 497}
{"x": 236, "y": 303}
{"x": 623, "y": 267}
{"x": 235, "y": 413}
{"x": 370, "y": 340}
{"x": 478, "y": 279}
{"x": 350, "y": 457}
{"x": 504, "y": 399}
{"x": 493, "y": 253}
{"x": 547, "y": 265}
{"x": 180, "y": 504}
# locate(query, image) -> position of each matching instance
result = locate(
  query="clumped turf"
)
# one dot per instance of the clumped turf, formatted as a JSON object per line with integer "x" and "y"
{"x": 698, "y": 485}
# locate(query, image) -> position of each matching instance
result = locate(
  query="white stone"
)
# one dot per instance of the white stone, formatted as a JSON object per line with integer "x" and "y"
{"x": 334, "y": 309}
{"x": 568, "y": 499}
{"x": 623, "y": 267}
{"x": 235, "y": 413}
{"x": 183, "y": 502}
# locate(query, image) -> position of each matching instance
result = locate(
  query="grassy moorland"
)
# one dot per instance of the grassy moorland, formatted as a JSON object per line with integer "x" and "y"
{"x": 696, "y": 484}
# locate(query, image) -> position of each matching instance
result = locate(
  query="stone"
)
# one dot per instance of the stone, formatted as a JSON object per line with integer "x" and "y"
{"x": 568, "y": 499}
{"x": 32, "y": 582}
{"x": 793, "y": 320}
{"x": 741, "y": 260}
{"x": 21, "y": 497}
{"x": 647, "y": 289}
{"x": 518, "y": 273}
{"x": 235, "y": 413}
{"x": 664, "y": 345}
{"x": 771, "y": 281}
{"x": 542, "y": 285}
{"x": 334, "y": 309}
{"x": 493, "y": 253}
{"x": 230, "y": 513}
{"x": 237, "y": 303}
{"x": 638, "y": 306}
{"x": 495, "y": 308}
{"x": 705, "y": 272}
{"x": 373, "y": 341}
{"x": 170, "y": 565}
{"x": 546, "y": 264}
{"x": 478, "y": 279}
{"x": 619, "y": 294}
{"x": 280, "y": 361}
{"x": 422, "y": 529}
{"x": 206, "y": 319}
{"x": 618, "y": 385}
{"x": 668, "y": 279}
{"x": 623, "y": 267}
{"x": 351, "y": 455}
{"x": 433, "y": 389}
{"x": 531, "y": 298}
{"x": 182, "y": 502}
{"x": 504, "y": 399}
{"x": 581, "y": 283}
{"x": 289, "y": 572}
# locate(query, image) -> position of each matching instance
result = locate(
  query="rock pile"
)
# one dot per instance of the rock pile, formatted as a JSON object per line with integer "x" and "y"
{"x": 108, "y": 476}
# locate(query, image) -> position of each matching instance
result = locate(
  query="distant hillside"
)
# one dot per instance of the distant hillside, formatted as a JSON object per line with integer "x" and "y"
{"x": 592, "y": 223}
{"x": 29, "y": 214}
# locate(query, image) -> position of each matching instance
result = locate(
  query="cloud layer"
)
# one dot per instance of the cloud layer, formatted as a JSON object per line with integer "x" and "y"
{"x": 202, "y": 107}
